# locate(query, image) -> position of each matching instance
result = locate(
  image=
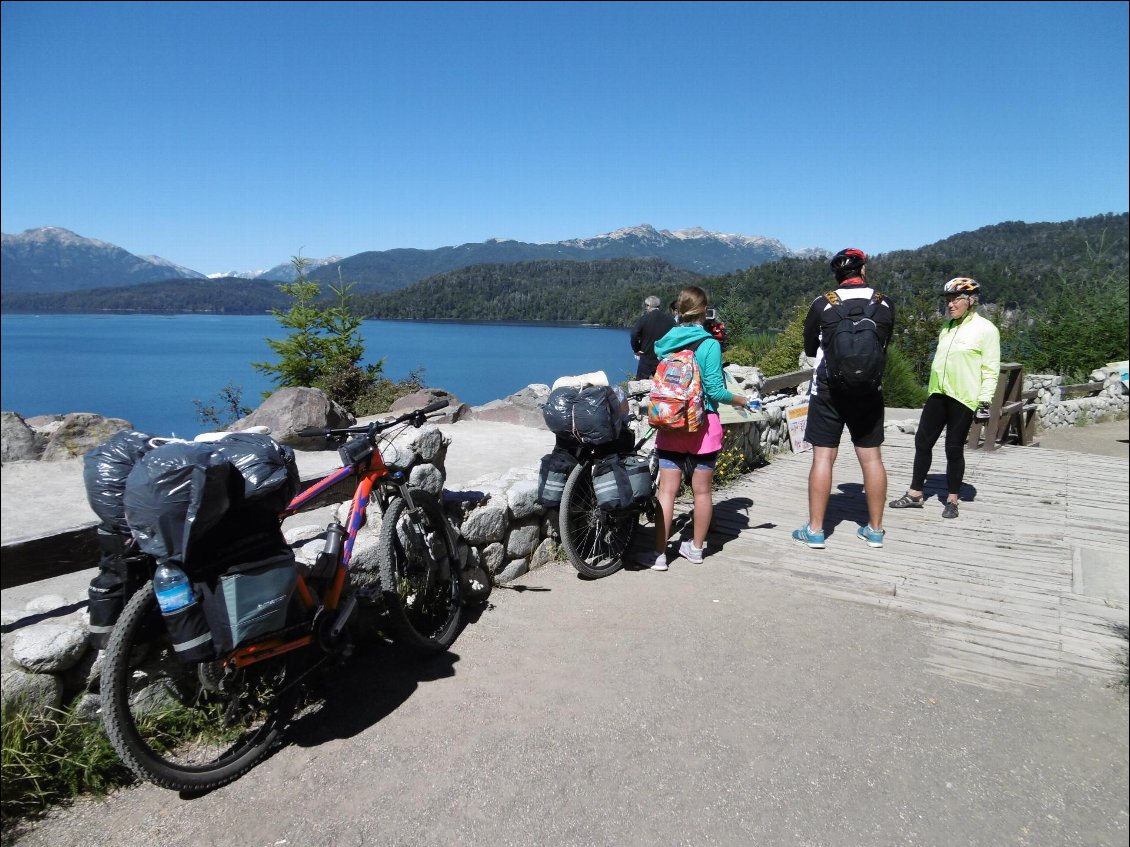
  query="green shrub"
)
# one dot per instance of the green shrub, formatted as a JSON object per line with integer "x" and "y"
{"x": 738, "y": 354}
{"x": 324, "y": 348}
{"x": 901, "y": 389}
{"x": 784, "y": 354}
{"x": 749, "y": 349}
{"x": 383, "y": 392}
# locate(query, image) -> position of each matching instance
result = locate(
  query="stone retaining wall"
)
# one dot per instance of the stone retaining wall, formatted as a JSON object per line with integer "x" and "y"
{"x": 500, "y": 526}
{"x": 1053, "y": 411}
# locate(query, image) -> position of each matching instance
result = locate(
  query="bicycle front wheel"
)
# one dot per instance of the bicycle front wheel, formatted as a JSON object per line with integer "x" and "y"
{"x": 188, "y": 726}
{"x": 419, "y": 570}
{"x": 594, "y": 540}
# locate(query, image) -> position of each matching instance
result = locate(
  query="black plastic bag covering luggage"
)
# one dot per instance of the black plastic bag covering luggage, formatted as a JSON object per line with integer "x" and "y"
{"x": 177, "y": 492}
{"x": 104, "y": 473}
{"x": 244, "y": 533}
{"x": 558, "y": 409}
{"x": 592, "y": 415}
{"x": 269, "y": 469}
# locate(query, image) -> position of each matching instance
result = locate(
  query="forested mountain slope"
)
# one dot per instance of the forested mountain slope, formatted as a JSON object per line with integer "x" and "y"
{"x": 605, "y": 292}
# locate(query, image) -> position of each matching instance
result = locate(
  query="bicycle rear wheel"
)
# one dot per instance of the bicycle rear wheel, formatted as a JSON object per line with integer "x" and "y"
{"x": 188, "y": 726}
{"x": 419, "y": 570}
{"x": 594, "y": 540}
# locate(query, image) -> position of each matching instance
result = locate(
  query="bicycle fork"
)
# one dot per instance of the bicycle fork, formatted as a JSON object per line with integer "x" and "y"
{"x": 416, "y": 541}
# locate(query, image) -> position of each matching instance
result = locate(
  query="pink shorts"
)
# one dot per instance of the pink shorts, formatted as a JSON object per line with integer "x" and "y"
{"x": 706, "y": 440}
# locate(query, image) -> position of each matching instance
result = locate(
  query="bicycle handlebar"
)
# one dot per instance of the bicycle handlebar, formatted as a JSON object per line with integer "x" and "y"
{"x": 415, "y": 417}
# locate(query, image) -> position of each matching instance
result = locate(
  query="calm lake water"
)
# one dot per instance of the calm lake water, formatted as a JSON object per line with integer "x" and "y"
{"x": 148, "y": 369}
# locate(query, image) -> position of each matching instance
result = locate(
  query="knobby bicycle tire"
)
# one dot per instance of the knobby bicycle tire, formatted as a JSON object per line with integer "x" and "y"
{"x": 419, "y": 573}
{"x": 595, "y": 540}
{"x": 188, "y": 726}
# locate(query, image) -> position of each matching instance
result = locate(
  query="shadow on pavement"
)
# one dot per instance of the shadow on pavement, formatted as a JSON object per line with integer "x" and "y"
{"x": 373, "y": 683}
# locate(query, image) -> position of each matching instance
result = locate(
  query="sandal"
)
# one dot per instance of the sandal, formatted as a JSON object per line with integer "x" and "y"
{"x": 908, "y": 502}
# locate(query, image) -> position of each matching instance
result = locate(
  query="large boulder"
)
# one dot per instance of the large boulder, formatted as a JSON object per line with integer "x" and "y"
{"x": 288, "y": 411}
{"x": 79, "y": 432}
{"x": 523, "y": 408}
{"x": 17, "y": 439}
{"x": 454, "y": 411}
{"x": 44, "y": 427}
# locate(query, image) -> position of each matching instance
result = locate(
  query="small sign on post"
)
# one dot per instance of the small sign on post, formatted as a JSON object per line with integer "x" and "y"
{"x": 797, "y": 417}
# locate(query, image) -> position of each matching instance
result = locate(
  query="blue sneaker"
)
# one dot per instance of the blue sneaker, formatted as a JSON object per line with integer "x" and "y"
{"x": 873, "y": 537}
{"x": 807, "y": 537}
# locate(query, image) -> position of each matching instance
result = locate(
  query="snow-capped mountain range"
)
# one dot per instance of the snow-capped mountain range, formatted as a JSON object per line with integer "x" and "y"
{"x": 52, "y": 259}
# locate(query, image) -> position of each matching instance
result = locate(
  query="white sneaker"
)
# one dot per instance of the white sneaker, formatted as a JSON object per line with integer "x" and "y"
{"x": 653, "y": 560}
{"x": 691, "y": 553}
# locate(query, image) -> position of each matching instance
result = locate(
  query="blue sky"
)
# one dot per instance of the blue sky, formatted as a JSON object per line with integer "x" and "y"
{"x": 231, "y": 136}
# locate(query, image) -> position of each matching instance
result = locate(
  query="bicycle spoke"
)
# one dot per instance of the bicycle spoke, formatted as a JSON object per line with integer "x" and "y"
{"x": 188, "y": 726}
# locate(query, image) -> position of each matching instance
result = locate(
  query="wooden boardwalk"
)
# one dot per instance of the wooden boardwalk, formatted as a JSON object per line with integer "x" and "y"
{"x": 1027, "y": 585}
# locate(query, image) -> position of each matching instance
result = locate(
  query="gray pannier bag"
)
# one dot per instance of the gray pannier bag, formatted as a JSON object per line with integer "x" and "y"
{"x": 621, "y": 482}
{"x": 554, "y": 472}
{"x": 249, "y": 600}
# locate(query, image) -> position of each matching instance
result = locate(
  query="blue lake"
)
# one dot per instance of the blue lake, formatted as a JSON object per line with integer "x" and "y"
{"x": 149, "y": 369}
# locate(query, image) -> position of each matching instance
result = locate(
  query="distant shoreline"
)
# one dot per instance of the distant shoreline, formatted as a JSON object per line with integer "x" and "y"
{"x": 211, "y": 313}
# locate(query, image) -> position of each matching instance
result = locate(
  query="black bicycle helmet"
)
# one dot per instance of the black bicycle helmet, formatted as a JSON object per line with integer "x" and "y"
{"x": 848, "y": 263}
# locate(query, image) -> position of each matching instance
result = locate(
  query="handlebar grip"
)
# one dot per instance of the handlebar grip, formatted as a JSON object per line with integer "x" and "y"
{"x": 434, "y": 406}
{"x": 313, "y": 432}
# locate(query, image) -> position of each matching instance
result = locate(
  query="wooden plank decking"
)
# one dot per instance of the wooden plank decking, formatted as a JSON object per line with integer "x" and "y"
{"x": 1005, "y": 589}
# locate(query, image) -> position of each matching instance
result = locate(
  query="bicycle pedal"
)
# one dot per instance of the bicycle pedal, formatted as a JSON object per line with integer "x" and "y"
{"x": 344, "y": 653}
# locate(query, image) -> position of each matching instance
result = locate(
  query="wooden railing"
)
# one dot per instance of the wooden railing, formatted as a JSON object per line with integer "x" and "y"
{"x": 777, "y": 384}
{"x": 1082, "y": 389}
{"x": 39, "y": 557}
{"x": 1012, "y": 415}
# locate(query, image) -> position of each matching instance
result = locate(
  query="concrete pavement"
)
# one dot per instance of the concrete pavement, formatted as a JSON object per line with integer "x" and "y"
{"x": 707, "y": 705}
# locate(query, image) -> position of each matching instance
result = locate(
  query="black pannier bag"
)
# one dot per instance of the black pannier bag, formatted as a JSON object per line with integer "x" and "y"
{"x": 555, "y": 469}
{"x": 189, "y": 632}
{"x": 249, "y": 600}
{"x": 621, "y": 482}
{"x": 591, "y": 415}
{"x": 122, "y": 567}
{"x": 122, "y": 570}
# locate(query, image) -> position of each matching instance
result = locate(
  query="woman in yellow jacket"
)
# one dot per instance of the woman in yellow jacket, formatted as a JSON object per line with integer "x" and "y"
{"x": 963, "y": 380}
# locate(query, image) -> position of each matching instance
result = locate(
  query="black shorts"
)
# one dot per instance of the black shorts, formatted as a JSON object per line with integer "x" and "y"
{"x": 828, "y": 415}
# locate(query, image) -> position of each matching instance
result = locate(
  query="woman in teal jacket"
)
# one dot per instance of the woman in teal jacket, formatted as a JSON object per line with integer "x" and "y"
{"x": 678, "y": 449}
{"x": 963, "y": 380}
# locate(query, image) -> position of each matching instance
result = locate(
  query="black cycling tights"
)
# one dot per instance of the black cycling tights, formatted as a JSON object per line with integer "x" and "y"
{"x": 941, "y": 412}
